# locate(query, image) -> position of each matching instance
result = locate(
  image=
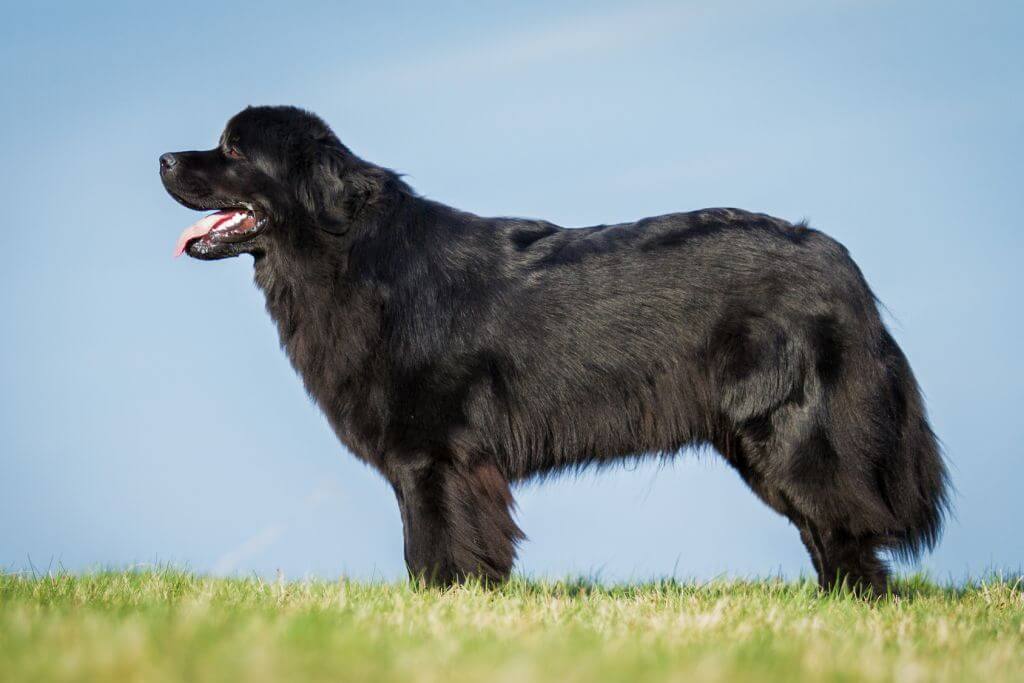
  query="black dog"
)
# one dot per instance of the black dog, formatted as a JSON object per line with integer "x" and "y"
{"x": 458, "y": 354}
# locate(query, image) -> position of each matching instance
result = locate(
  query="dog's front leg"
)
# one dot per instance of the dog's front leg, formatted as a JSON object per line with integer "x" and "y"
{"x": 457, "y": 522}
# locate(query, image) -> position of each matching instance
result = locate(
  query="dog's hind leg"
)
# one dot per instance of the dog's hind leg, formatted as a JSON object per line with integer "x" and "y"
{"x": 838, "y": 557}
{"x": 840, "y": 520}
{"x": 854, "y": 562}
{"x": 831, "y": 432}
{"x": 457, "y": 522}
{"x": 762, "y": 372}
{"x": 735, "y": 451}
{"x": 801, "y": 483}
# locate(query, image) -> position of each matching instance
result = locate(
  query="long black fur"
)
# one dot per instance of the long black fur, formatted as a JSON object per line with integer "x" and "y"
{"x": 459, "y": 354}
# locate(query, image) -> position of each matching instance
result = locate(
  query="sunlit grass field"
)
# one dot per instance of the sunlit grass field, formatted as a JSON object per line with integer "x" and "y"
{"x": 169, "y": 626}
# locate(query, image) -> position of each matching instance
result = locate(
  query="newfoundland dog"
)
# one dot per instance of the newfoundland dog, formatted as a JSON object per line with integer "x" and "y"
{"x": 459, "y": 354}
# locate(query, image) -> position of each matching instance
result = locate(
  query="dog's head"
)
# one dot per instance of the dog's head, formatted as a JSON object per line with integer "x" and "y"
{"x": 278, "y": 171}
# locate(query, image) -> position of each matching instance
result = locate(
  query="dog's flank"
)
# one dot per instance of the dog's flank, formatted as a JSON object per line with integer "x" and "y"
{"x": 458, "y": 354}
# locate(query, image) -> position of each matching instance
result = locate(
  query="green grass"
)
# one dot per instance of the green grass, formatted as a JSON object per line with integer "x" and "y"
{"x": 168, "y": 625}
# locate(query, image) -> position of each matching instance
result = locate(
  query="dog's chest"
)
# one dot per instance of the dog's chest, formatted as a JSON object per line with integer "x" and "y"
{"x": 333, "y": 343}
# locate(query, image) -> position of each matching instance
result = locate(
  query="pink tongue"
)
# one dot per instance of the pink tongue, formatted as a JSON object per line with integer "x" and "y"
{"x": 200, "y": 228}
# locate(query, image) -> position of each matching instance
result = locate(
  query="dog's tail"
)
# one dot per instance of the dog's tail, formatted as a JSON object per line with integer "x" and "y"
{"x": 916, "y": 486}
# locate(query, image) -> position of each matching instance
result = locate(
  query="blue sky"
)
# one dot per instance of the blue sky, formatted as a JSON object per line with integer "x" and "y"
{"x": 125, "y": 437}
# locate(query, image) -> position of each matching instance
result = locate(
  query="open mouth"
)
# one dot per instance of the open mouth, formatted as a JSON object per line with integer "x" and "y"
{"x": 224, "y": 226}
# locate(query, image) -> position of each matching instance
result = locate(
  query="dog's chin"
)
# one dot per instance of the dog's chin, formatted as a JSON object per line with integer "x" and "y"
{"x": 213, "y": 249}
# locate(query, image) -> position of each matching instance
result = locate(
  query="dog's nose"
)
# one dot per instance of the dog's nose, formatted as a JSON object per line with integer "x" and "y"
{"x": 167, "y": 161}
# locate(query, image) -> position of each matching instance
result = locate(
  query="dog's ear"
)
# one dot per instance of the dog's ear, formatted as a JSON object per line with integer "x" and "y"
{"x": 337, "y": 189}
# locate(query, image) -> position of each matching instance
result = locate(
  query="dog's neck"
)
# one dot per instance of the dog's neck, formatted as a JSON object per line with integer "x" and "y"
{"x": 309, "y": 278}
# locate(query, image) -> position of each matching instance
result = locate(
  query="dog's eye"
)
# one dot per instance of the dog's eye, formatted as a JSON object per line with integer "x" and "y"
{"x": 233, "y": 152}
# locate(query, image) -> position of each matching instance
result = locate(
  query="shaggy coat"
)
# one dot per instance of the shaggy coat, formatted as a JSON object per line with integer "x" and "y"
{"x": 459, "y": 354}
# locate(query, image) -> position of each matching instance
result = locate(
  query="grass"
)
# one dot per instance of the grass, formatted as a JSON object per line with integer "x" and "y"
{"x": 168, "y": 625}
